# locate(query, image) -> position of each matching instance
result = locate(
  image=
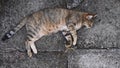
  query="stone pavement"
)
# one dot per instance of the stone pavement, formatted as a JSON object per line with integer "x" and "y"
{"x": 97, "y": 47}
{"x": 94, "y": 58}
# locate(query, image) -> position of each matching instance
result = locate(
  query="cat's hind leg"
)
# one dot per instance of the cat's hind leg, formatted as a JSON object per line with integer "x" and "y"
{"x": 32, "y": 37}
{"x": 27, "y": 44}
{"x": 30, "y": 45}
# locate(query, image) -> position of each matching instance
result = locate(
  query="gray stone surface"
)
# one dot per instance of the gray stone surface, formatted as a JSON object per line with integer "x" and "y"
{"x": 104, "y": 34}
{"x": 16, "y": 59}
{"x": 94, "y": 58}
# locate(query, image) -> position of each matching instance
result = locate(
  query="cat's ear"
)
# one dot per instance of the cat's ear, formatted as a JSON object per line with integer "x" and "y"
{"x": 90, "y": 16}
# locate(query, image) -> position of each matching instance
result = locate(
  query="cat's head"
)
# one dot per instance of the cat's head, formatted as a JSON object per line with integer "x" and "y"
{"x": 88, "y": 19}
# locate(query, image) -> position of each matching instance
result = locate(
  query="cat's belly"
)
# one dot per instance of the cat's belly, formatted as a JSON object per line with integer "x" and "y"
{"x": 60, "y": 28}
{"x": 52, "y": 28}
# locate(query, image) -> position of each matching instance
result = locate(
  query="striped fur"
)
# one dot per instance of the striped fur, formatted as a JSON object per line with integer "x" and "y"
{"x": 49, "y": 21}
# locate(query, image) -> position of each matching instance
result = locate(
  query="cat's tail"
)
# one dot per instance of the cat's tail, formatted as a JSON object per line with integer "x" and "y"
{"x": 11, "y": 33}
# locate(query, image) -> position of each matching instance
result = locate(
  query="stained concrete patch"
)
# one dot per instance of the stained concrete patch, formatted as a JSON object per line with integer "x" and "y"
{"x": 94, "y": 59}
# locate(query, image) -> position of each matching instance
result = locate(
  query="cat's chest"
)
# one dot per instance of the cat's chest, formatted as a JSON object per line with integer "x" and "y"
{"x": 78, "y": 26}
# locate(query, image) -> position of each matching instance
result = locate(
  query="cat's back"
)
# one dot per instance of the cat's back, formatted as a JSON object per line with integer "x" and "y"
{"x": 53, "y": 19}
{"x": 52, "y": 14}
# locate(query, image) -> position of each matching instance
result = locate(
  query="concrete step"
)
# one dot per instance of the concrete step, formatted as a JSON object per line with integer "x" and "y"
{"x": 94, "y": 58}
{"x": 41, "y": 60}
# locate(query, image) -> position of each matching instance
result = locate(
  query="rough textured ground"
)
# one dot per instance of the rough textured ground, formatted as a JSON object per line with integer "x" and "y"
{"x": 94, "y": 58}
{"x": 97, "y": 47}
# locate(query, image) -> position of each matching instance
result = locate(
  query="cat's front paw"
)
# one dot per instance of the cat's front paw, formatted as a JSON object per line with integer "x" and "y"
{"x": 29, "y": 53}
{"x": 68, "y": 46}
{"x": 74, "y": 43}
{"x": 67, "y": 49}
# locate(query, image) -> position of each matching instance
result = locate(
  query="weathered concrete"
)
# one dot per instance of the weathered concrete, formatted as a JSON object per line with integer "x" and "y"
{"x": 104, "y": 34}
{"x": 94, "y": 58}
{"x": 17, "y": 59}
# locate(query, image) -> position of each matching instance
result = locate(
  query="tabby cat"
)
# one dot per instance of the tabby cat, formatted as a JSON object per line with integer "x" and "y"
{"x": 47, "y": 21}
